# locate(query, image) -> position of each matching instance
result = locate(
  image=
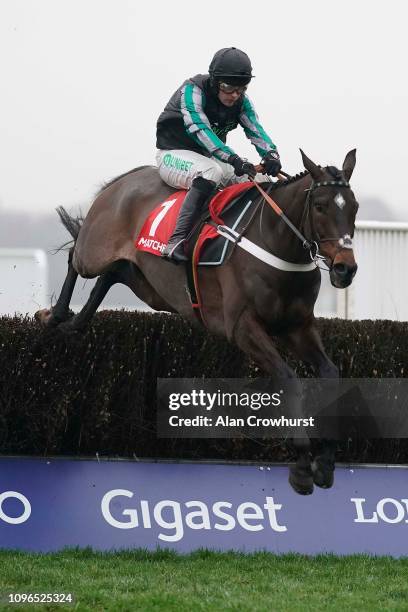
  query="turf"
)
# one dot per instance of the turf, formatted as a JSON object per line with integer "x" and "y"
{"x": 163, "y": 580}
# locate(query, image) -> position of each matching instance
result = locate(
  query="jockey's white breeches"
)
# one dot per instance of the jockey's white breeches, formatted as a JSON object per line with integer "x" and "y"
{"x": 178, "y": 168}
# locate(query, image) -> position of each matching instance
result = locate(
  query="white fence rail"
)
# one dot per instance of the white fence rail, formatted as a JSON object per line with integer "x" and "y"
{"x": 379, "y": 290}
{"x": 23, "y": 281}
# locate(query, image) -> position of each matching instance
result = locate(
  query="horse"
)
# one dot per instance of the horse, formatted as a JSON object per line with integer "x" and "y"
{"x": 247, "y": 300}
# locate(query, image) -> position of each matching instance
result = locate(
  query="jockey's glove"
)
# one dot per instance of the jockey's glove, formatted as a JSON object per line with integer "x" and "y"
{"x": 271, "y": 163}
{"x": 242, "y": 166}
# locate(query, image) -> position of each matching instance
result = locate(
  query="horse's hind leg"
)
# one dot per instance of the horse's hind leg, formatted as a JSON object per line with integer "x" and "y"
{"x": 124, "y": 272}
{"x": 60, "y": 312}
{"x": 101, "y": 288}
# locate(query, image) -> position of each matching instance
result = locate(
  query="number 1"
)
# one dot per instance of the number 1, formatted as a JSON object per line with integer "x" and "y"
{"x": 166, "y": 207}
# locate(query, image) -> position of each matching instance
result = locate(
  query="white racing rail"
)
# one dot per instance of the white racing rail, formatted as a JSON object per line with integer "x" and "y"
{"x": 23, "y": 281}
{"x": 379, "y": 289}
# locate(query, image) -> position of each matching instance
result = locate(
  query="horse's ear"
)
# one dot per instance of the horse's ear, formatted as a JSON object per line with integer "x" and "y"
{"x": 311, "y": 167}
{"x": 349, "y": 163}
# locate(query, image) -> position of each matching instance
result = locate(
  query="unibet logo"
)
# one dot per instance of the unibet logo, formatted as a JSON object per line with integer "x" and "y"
{"x": 170, "y": 161}
{"x": 174, "y": 517}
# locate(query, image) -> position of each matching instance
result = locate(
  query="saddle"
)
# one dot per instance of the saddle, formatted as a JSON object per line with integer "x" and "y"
{"x": 228, "y": 207}
{"x": 231, "y": 207}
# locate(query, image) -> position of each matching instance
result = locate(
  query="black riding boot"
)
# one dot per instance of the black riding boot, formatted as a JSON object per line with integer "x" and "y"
{"x": 201, "y": 189}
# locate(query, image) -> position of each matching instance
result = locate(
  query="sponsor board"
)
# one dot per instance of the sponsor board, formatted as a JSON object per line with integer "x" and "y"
{"x": 49, "y": 504}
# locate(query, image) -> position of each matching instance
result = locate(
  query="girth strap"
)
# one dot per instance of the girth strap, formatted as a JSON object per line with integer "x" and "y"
{"x": 262, "y": 254}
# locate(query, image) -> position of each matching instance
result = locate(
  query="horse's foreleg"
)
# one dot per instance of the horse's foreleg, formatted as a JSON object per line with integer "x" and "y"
{"x": 307, "y": 345}
{"x": 60, "y": 312}
{"x": 254, "y": 340}
{"x": 101, "y": 288}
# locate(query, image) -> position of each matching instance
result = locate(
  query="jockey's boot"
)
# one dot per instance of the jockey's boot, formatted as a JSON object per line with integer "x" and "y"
{"x": 201, "y": 189}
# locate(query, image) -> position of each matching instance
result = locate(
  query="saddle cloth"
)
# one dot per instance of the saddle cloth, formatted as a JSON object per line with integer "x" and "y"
{"x": 226, "y": 207}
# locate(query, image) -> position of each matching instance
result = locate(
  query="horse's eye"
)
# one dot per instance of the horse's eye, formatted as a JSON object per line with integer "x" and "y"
{"x": 320, "y": 208}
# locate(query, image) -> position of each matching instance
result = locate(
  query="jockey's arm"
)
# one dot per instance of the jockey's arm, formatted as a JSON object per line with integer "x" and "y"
{"x": 254, "y": 130}
{"x": 197, "y": 124}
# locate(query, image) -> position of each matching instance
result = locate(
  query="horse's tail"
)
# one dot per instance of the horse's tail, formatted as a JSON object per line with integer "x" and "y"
{"x": 71, "y": 224}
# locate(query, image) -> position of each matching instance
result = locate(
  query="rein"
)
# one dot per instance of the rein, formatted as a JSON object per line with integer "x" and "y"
{"x": 306, "y": 244}
{"x": 311, "y": 246}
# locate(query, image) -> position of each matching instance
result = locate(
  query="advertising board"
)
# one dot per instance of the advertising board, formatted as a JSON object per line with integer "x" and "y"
{"x": 49, "y": 504}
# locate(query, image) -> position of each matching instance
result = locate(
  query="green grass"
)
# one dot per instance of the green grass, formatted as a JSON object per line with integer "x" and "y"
{"x": 139, "y": 580}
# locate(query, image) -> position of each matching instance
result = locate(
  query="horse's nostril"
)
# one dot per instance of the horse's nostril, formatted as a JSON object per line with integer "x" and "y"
{"x": 343, "y": 270}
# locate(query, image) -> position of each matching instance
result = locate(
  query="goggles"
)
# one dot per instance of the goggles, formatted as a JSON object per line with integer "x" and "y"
{"x": 229, "y": 89}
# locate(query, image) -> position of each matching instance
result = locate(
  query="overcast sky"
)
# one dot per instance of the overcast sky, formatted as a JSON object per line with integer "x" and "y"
{"x": 83, "y": 82}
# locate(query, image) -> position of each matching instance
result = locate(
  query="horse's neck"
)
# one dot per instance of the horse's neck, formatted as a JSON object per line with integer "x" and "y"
{"x": 283, "y": 242}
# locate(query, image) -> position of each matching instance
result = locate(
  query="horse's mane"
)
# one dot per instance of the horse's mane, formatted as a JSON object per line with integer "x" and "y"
{"x": 287, "y": 181}
{"x": 332, "y": 170}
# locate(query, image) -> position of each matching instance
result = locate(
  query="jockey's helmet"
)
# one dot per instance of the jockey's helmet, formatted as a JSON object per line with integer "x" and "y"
{"x": 232, "y": 66}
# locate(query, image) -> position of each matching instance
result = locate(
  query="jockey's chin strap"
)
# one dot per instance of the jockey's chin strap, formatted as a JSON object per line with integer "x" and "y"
{"x": 310, "y": 245}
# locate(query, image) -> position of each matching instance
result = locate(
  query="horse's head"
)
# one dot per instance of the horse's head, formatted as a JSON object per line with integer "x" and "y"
{"x": 330, "y": 216}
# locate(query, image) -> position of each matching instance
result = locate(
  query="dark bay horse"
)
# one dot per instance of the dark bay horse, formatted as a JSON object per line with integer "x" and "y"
{"x": 245, "y": 299}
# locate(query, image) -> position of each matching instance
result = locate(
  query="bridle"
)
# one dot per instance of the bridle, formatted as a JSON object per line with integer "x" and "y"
{"x": 312, "y": 245}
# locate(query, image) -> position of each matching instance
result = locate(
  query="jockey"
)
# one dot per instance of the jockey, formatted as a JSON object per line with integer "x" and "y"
{"x": 191, "y": 139}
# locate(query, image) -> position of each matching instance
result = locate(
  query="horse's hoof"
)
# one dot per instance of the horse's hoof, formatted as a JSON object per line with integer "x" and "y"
{"x": 301, "y": 480}
{"x": 323, "y": 473}
{"x": 46, "y": 318}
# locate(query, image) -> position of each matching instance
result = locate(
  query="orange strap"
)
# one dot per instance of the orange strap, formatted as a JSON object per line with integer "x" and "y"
{"x": 268, "y": 198}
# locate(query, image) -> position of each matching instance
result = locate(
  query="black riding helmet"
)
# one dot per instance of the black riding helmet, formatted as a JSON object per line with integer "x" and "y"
{"x": 232, "y": 66}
